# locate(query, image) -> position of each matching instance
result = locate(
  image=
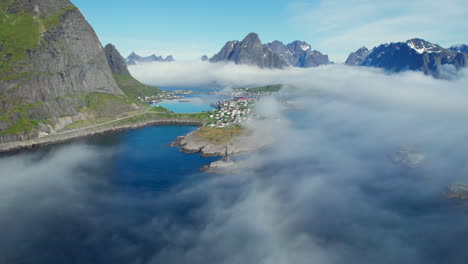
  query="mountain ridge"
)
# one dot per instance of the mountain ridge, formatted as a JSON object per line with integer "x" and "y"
{"x": 415, "y": 54}
{"x": 134, "y": 59}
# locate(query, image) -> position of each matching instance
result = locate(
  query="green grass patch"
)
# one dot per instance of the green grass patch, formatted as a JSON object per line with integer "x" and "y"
{"x": 159, "y": 109}
{"x": 53, "y": 21}
{"x": 109, "y": 105}
{"x": 203, "y": 116}
{"x": 22, "y": 126}
{"x": 262, "y": 89}
{"x": 219, "y": 135}
{"x": 133, "y": 88}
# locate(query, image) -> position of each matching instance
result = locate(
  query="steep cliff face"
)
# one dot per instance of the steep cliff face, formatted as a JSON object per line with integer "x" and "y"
{"x": 51, "y": 65}
{"x": 129, "y": 85}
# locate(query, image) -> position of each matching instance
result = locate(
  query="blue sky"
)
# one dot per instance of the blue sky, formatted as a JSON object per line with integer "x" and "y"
{"x": 189, "y": 29}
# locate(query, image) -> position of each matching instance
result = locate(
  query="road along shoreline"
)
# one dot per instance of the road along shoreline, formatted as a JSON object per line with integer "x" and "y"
{"x": 99, "y": 130}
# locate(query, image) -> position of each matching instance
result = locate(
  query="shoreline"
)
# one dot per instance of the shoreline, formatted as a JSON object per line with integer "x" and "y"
{"x": 67, "y": 137}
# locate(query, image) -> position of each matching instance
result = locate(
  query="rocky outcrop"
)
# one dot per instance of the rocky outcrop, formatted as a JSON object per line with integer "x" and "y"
{"x": 457, "y": 191}
{"x": 415, "y": 55}
{"x": 298, "y": 54}
{"x": 358, "y": 57}
{"x": 191, "y": 143}
{"x": 249, "y": 51}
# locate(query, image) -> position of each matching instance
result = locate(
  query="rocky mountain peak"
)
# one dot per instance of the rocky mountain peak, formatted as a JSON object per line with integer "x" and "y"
{"x": 357, "y": 57}
{"x": 421, "y": 46}
{"x": 252, "y": 40}
{"x": 299, "y": 45}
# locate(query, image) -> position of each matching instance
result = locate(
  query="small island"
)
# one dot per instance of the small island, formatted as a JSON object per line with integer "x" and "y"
{"x": 457, "y": 191}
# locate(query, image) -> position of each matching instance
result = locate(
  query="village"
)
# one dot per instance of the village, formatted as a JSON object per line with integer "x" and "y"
{"x": 174, "y": 95}
{"x": 231, "y": 112}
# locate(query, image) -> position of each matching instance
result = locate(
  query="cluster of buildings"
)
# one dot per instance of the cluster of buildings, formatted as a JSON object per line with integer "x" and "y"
{"x": 231, "y": 112}
{"x": 178, "y": 94}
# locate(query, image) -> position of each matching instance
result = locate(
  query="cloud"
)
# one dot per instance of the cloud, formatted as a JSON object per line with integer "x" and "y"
{"x": 326, "y": 191}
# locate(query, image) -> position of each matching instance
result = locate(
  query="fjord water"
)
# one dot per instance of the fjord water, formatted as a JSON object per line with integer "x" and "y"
{"x": 71, "y": 203}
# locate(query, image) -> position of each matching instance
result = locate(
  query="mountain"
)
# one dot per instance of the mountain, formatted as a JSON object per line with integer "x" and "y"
{"x": 129, "y": 85}
{"x": 53, "y": 70}
{"x": 460, "y": 48}
{"x": 249, "y": 51}
{"x": 298, "y": 54}
{"x": 205, "y": 58}
{"x": 414, "y": 54}
{"x": 134, "y": 59}
{"x": 358, "y": 57}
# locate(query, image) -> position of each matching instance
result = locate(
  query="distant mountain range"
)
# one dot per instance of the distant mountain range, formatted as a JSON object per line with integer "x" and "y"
{"x": 414, "y": 54}
{"x": 134, "y": 59}
{"x": 251, "y": 51}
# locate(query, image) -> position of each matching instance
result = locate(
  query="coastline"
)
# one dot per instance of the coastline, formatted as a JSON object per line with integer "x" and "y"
{"x": 66, "y": 137}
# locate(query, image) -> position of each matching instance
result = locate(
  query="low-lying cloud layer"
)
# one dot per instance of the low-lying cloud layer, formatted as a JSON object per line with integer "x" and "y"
{"x": 326, "y": 192}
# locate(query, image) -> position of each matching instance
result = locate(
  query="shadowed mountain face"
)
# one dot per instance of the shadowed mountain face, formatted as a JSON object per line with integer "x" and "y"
{"x": 134, "y": 59}
{"x": 50, "y": 60}
{"x": 358, "y": 57}
{"x": 249, "y": 51}
{"x": 116, "y": 61}
{"x": 129, "y": 85}
{"x": 460, "y": 48}
{"x": 298, "y": 54}
{"x": 415, "y": 54}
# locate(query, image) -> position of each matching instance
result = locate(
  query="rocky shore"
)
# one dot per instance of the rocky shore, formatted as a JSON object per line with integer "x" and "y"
{"x": 457, "y": 191}
{"x": 65, "y": 137}
{"x": 191, "y": 143}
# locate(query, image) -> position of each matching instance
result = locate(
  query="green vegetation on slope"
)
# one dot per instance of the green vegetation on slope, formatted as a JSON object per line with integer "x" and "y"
{"x": 20, "y": 32}
{"x": 263, "y": 89}
{"x": 133, "y": 88}
{"x": 160, "y": 109}
{"x": 202, "y": 117}
{"x": 109, "y": 105}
